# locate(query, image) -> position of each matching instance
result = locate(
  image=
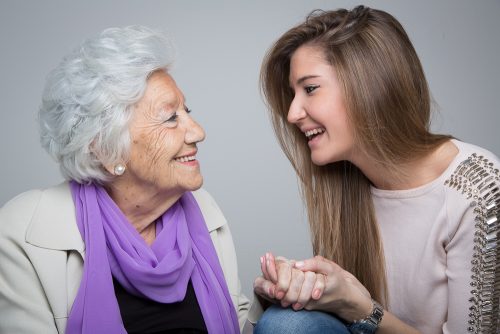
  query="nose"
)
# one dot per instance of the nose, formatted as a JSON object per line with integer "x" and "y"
{"x": 296, "y": 112}
{"x": 194, "y": 131}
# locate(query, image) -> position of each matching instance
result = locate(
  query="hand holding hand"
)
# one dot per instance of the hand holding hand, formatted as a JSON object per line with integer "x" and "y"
{"x": 281, "y": 282}
{"x": 343, "y": 294}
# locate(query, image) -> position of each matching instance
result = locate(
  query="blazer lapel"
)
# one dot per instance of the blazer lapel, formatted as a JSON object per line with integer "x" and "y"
{"x": 53, "y": 225}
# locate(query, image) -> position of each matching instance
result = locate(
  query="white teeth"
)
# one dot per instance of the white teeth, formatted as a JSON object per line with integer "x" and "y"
{"x": 312, "y": 132}
{"x": 185, "y": 159}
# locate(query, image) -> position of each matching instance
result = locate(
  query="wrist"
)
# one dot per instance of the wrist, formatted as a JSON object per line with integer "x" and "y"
{"x": 369, "y": 324}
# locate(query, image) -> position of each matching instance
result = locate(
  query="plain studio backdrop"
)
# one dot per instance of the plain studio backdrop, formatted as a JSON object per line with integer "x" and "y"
{"x": 220, "y": 46}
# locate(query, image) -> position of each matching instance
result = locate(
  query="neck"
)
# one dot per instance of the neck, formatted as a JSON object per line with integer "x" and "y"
{"x": 142, "y": 205}
{"x": 415, "y": 173}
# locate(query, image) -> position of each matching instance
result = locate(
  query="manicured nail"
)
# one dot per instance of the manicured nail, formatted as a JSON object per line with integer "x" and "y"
{"x": 299, "y": 264}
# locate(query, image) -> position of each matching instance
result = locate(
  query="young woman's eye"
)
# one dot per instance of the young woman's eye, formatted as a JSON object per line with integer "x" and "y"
{"x": 310, "y": 89}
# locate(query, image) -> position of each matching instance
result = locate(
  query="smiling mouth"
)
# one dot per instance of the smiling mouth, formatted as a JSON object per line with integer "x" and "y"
{"x": 310, "y": 134}
{"x": 186, "y": 158}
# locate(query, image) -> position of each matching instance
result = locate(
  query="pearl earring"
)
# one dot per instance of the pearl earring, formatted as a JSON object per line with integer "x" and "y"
{"x": 119, "y": 169}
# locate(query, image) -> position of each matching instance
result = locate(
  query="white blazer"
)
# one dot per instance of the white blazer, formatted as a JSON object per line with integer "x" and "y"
{"x": 42, "y": 253}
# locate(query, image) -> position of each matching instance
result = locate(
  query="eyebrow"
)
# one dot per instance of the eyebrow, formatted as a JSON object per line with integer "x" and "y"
{"x": 304, "y": 78}
{"x": 170, "y": 102}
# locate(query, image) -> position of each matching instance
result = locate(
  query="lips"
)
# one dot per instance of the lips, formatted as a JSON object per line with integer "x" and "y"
{"x": 191, "y": 156}
{"x": 185, "y": 159}
{"x": 310, "y": 134}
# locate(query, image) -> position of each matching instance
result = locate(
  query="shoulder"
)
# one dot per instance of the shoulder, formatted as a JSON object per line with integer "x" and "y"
{"x": 467, "y": 150}
{"x": 475, "y": 172}
{"x": 17, "y": 214}
{"x": 474, "y": 193}
{"x": 472, "y": 182}
{"x": 214, "y": 218}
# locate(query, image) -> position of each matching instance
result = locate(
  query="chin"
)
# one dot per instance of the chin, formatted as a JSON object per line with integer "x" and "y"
{"x": 319, "y": 161}
{"x": 197, "y": 183}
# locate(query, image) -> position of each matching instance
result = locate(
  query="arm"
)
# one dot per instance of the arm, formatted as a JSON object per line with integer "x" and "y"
{"x": 470, "y": 285}
{"x": 223, "y": 242}
{"x": 473, "y": 212}
{"x": 339, "y": 292}
{"x": 23, "y": 305}
{"x": 346, "y": 297}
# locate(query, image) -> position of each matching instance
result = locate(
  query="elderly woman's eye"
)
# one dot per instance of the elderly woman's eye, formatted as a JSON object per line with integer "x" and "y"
{"x": 187, "y": 109}
{"x": 172, "y": 118}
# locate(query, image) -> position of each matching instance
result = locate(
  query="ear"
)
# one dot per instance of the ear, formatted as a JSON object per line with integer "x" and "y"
{"x": 97, "y": 154}
{"x": 109, "y": 169}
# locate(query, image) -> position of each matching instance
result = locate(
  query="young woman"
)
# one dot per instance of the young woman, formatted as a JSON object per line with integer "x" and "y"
{"x": 404, "y": 221}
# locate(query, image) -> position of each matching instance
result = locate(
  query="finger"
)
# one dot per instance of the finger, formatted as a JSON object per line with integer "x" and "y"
{"x": 284, "y": 270}
{"x": 318, "y": 264}
{"x": 263, "y": 267}
{"x": 264, "y": 288}
{"x": 306, "y": 290}
{"x": 319, "y": 287}
{"x": 292, "y": 295}
{"x": 271, "y": 267}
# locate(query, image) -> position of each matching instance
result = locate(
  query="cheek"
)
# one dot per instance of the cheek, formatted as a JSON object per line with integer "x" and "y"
{"x": 154, "y": 147}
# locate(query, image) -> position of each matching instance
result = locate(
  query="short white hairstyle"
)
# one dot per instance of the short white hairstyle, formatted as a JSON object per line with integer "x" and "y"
{"x": 88, "y": 98}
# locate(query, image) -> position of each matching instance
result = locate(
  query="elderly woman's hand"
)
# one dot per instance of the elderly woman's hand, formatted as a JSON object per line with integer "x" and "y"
{"x": 281, "y": 282}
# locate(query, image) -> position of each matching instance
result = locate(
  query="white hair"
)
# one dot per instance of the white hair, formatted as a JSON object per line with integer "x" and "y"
{"x": 87, "y": 100}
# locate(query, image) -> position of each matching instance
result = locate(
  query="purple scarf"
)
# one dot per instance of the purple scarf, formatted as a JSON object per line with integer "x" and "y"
{"x": 183, "y": 250}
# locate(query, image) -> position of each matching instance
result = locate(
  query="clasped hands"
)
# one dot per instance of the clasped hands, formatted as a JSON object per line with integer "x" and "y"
{"x": 312, "y": 284}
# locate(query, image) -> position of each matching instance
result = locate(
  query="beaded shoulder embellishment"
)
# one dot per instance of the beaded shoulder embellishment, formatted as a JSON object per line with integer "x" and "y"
{"x": 479, "y": 180}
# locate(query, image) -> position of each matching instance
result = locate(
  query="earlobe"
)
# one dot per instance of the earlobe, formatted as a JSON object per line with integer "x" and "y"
{"x": 119, "y": 169}
{"x": 115, "y": 170}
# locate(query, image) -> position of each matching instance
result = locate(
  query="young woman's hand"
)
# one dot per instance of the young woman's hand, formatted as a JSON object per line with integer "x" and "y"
{"x": 343, "y": 294}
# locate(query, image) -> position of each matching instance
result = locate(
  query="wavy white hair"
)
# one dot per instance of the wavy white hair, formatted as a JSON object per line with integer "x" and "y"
{"x": 87, "y": 100}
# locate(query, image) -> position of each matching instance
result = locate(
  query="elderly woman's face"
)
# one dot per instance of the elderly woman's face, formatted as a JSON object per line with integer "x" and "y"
{"x": 163, "y": 139}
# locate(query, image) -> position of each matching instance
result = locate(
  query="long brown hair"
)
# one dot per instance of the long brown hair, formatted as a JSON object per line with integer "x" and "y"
{"x": 388, "y": 105}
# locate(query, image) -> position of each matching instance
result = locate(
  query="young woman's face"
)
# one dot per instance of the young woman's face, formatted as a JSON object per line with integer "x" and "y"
{"x": 318, "y": 107}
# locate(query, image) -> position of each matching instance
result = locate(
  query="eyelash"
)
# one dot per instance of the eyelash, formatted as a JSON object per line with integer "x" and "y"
{"x": 174, "y": 116}
{"x": 310, "y": 89}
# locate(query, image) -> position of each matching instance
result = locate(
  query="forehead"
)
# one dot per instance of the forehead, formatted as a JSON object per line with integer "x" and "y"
{"x": 162, "y": 89}
{"x": 307, "y": 60}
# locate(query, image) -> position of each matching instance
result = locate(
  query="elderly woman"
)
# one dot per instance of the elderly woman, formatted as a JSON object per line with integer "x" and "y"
{"x": 130, "y": 243}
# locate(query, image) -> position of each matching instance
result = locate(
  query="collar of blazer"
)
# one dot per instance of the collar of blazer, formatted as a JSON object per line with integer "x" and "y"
{"x": 53, "y": 225}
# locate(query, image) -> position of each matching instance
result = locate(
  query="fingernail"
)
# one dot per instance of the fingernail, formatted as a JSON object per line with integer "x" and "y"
{"x": 299, "y": 264}
{"x": 316, "y": 293}
{"x": 297, "y": 306}
{"x": 261, "y": 260}
{"x": 285, "y": 304}
{"x": 280, "y": 294}
{"x": 271, "y": 292}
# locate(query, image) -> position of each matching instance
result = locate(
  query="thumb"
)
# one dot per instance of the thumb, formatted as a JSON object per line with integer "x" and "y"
{"x": 318, "y": 264}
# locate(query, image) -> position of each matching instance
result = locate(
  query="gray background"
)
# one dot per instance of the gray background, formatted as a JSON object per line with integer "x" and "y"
{"x": 220, "y": 47}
